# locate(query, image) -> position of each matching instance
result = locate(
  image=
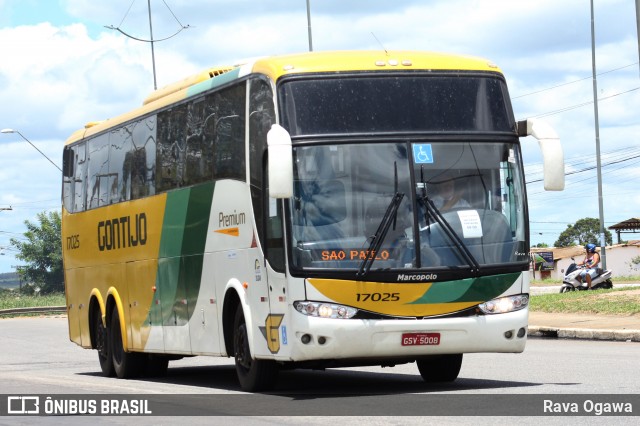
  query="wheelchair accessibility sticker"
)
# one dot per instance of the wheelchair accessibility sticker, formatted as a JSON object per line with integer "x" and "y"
{"x": 422, "y": 153}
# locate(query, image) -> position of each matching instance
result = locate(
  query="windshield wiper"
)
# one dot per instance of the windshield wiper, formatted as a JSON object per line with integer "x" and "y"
{"x": 377, "y": 238}
{"x": 432, "y": 210}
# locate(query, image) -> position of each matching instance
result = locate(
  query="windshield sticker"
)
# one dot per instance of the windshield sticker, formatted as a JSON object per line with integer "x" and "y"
{"x": 512, "y": 156}
{"x": 470, "y": 222}
{"x": 422, "y": 153}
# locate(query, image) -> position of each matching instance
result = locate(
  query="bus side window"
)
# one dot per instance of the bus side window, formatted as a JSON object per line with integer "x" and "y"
{"x": 75, "y": 178}
{"x": 98, "y": 171}
{"x": 229, "y": 133}
{"x": 120, "y": 147}
{"x": 275, "y": 236}
{"x": 143, "y": 158}
{"x": 274, "y": 233}
{"x": 171, "y": 148}
{"x": 261, "y": 117}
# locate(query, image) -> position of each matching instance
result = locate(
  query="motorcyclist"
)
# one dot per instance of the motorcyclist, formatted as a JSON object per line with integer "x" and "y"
{"x": 591, "y": 262}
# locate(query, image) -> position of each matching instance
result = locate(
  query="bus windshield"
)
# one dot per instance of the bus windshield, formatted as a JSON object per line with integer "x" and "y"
{"x": 454, "y": 204}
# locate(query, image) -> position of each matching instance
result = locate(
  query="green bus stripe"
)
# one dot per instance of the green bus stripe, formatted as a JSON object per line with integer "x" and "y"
{"x": 197, "y": 219}
{"x": 175, "y": 214}
{"x": 468, "y": 290}
{"x": 184, "y": 235}
{"x": 194, "y": 241}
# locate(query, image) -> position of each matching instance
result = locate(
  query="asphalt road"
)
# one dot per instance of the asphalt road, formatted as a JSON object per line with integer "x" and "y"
{"x": 37, "y": 358}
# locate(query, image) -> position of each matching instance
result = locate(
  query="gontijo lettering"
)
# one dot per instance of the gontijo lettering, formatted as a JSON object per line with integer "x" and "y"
{"x": 122, "y": 232}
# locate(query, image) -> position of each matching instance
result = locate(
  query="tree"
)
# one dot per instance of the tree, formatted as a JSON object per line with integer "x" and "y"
{"x": 542, "y": 245}
{"x": 42, "y": 252}
{"x": 584, "y": 231}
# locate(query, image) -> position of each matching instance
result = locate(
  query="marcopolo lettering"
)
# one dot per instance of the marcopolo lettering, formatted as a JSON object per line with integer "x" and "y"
{"x": 417, "y": 277}
{"x": 122, "y": 232}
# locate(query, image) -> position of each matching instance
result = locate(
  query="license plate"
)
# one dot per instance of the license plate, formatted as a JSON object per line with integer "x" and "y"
{"x": 420, "y": 339}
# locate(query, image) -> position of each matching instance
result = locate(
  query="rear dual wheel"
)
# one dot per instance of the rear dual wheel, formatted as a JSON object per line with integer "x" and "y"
{"x": 102, "y": 343}
{"x": 114, "y": 361}
{"x": 125, "y": 364}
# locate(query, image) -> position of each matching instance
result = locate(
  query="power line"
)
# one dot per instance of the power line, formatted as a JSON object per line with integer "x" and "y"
{"x": 569, "y": 108}
{"x": 590, "y": 168}
{"x": 572, "y": 82}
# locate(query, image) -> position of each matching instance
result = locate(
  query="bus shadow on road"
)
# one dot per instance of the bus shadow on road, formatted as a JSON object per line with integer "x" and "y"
{"x": 301, "y": 383}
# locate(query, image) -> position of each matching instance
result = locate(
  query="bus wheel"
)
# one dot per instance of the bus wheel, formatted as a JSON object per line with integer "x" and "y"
{"x": 101, "y": 340}
{"x": 125, "y": 364}
{"x": 254, "y": 375}
{"x": 440, "y": 368}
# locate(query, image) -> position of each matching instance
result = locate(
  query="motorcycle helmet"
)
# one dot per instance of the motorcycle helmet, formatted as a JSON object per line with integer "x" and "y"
{"x": 590, "y": 248}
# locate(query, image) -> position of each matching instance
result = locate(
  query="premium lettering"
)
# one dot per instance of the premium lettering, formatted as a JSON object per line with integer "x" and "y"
{"x": 232, "y": 219}
{"x": 122, "y": 232}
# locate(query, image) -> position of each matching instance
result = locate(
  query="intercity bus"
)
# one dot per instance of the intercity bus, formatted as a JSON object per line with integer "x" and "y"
{"x": 285, "y": 212}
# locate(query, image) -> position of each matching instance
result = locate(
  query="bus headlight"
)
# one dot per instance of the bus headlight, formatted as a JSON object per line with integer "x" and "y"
{"x": 502, "y": 305}
{"x": 324, "y": 310}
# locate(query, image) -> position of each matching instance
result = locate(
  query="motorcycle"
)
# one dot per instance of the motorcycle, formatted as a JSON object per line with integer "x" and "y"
{"x": 571, "y": 283}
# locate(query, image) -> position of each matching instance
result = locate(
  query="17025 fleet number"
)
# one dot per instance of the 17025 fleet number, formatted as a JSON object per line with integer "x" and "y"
{"x": 377, "y": 297}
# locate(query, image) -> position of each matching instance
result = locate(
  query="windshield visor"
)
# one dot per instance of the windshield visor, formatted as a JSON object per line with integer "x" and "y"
{"x": 396, "y": 103}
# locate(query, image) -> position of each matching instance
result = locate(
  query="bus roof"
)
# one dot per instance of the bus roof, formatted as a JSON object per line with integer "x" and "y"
{"x": 276, "y": 67}
{"x": 368, "y": 60}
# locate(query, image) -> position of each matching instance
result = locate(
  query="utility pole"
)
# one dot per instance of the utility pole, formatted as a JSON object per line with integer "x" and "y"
{"x": 603, "y": 242}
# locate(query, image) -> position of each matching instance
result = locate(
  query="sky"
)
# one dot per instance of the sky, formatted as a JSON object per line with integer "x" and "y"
{"x": 61, "y": 66}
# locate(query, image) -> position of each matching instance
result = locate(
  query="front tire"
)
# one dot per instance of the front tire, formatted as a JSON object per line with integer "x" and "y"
{"x": 440, "y": 368}
{"x": 125, "y": 364}
{"x": 254, "y": 375}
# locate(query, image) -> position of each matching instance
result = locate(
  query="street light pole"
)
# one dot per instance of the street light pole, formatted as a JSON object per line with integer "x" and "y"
{"x": 23, "y": 137}
{"x": 151, "y": 40}
{"x": 309, "y": 26}
{"x": 638, "y": 24}
{"x": 153, "y": 55}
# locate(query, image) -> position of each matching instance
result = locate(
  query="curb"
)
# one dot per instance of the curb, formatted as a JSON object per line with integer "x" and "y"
{"x": 585, "y": 334}
{"x": 34, "y": 310}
